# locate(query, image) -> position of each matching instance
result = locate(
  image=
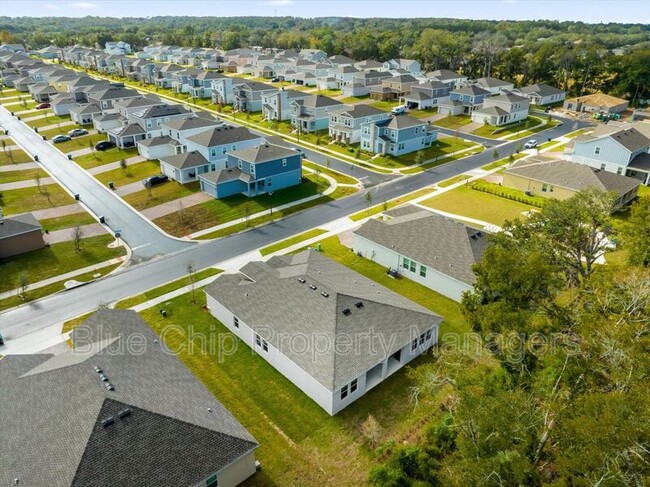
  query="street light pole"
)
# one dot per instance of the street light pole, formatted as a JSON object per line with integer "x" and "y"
{"x": 271, "y": 200}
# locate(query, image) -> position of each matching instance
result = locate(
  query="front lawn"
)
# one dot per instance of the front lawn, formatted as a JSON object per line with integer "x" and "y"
{"x": 300, "y": 444}
{"x": 385, "y": 105}
{"x": 13, "y": 176}
{"x": 470, "y": 203}
{"x": 351, "y": 100}
{"x": 520, "y": 129}
{"x": 283, "y": 244}
{"x": 51, "y": 119}
{"x": 29, "y": 199}
{"x": 338, "y": 176}
{"x": 429, "y": 112}
{"x": 77, "y": 143}
{"x": 502, "y": 162}
{"x": 330, "y": 93}
{"x": 161, "y": 193}
{"x": 99, "y": 158}
{"x": 454, "y": 180}
{"x": 55, "y": 260}
{"x": 134, "y": 172}
{"x": 67, "y": 221}
{"x": 13, "y": 156}
{"x": 453, "y": 122}
{"x": 218, "y": 211}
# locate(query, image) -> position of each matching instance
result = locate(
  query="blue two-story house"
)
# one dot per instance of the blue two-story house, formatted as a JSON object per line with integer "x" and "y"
{"x": 254, "y": 171}
{"x": 463, "y": 100}
{"x": 397, "y": 136}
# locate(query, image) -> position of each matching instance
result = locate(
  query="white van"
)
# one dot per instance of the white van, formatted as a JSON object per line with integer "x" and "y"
{"x": 398, "y": 110}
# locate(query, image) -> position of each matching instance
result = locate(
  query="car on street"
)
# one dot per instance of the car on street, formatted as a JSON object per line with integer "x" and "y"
{"x": 531, "y": 144}
{"x": 57, "y": 139}
{"x": 42, "y": 106}
{"x": 153, "y": 180}
{"x": 104, "y": 145}
{"x": 77, "y": 132}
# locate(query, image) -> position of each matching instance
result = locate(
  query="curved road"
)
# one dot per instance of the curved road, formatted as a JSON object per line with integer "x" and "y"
{"x": 133, "y": 280}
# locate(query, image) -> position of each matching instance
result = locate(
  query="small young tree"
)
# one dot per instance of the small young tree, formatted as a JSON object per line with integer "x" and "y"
{"x": 124, "y": 166}
{"x": 37, "y": 178}
{"x": 511, "y": 158}
{"x": 148, "y": 186}
{"x": 77, "y": 235}
{"x": 91, "y": 146}
{"x": 247, "y": 213}
{"x": 368, "y": 198}
{"x": 190, "y": 279}
{"x": 4, "y": 146}
{"x": 181, "y": 211}
{"x": 328, "y": 163}
{"x": 23, "y": 285}
{"x": 371, "y": 431}
{"x": 495, "y": 154}
{"x": 419, "y": 157}
{"x": 384, "y": 205}
{"x": 518, "y": 148}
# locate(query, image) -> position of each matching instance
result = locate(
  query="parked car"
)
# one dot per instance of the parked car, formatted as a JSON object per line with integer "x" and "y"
{"x": 153, "y": 180}
{"x": 104, "y": 145}
{"x": 531, "y": 144}
{"x": 42, "y": 106}
{"x": 275, "y": 80}
{"x": 57, "y": 139}
{"x": 77, "y": 132}
{"x": 398, "y": 110}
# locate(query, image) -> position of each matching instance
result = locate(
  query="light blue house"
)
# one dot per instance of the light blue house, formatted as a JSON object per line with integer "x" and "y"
{"x": 396, "y": 136}
{"x": 312, "y": 113}
{"x": 463, "y": 100}
{"x": 254, "y": 171}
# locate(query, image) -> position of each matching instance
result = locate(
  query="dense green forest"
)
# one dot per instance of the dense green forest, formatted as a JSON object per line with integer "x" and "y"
{"x": 573, "y": 55}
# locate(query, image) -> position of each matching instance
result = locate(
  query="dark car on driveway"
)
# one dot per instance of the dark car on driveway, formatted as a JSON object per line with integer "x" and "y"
{"x": 153, "y": 180}
{"x": 42, "y": 106}
{"x": 57, "y": 139}
{"x": 105, "y": 145}
{"x": 77, "y": 132}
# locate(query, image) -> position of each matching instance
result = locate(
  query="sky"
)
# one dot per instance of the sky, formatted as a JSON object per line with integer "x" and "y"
{"x": 591, "y": 11}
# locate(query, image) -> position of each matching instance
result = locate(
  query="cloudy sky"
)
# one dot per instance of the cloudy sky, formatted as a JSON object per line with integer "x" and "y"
{"x": 593, "y": 11}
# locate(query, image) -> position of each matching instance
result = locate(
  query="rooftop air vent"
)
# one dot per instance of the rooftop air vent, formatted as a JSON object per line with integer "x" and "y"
{"x": 98, "y": 369}
{"x": 324, "y": 294}
{"x": 347, "y": 312}
{"x": 359, "y": 305}
{"x": 108, "y": 421}
{"x": 312, "y": 287}
{"x": 103, "y": 377}
{"x": 473, "y": 236}
{"x": 480, "y": 234}
{"x": 109, "y": 386}
{"x": 301, "y": 280}
{"x": 124, "y": 413}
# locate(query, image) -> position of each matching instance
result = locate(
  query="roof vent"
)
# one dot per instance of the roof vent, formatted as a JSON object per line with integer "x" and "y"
{"x": 312, "y": 287}
{"x": 109, "y": 386}
{"x": 480, "y": 234}
{"x": 108, "y": 421}
{"x": 98, "y": 369}
{"x": 473, "y": 236}
{"x": 347, "y": 312}
{"x": 359, "y": 305}
{"x": 301, "y": 280}
{"x": 324, "y": 294}
{"x": 124, "y": 413}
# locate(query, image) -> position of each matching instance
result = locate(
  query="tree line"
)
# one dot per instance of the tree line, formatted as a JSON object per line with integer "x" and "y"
{"x": 573, "y": 55}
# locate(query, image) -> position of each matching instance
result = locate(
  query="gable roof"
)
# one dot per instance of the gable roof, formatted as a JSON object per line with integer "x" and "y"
{"x": 490, "y": 82}
{"x": 160, "y": 110}
{"x": 445, "y": 74}
{"x": 177, "y": 432}
{"x": 185, "y": 160}
{"x": 473, "y": 90}
{"x": 541, "y": 89}
{"x": 18, "y": 224}
{"x": 216, "y": 136}
{"x": 87, "y": 108}
{"x": 436, "y": 241}
{"x": 318, "y": 101}
{"x": 571, "y": 175}
{"x": 268, "y": 297}
{"x": 358, "y": 111}
{"x": 263, "y": 153}
{"x": 600, "y": 99}
{"x": 192, "y": 122}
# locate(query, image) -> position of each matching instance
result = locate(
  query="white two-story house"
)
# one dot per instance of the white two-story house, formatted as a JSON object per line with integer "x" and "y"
{"x": 345, "y": 124}
{"x": 502, "y": 110}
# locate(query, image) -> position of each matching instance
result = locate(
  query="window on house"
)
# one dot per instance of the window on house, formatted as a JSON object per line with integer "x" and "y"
{"x": 421, "y": 340}
{"x": 265, "y": 345}
{"x": 400, "y": 146}
{"x": 619, "y": 170}
{"x": 423, "y": 271}
{"x": 235, "y": 321}
{"x": 412, "y": 266}
{"x": 212, "y": 481}
{"x": 428, "y": 335}
{"x": 284, "y": 163}
{"x": 344, "y": 391}
{"x": 240, "y": 164}
{"x": 353, "y": 386}
{"x": 544, "y": 187}
{"x": 258, "y": 340}
{"x": 602, "y": 166}
{"x": 405, "y": 263}
{"x": 597, "y": 150}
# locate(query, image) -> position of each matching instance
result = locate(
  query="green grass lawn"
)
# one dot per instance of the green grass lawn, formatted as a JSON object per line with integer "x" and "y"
{"x": 373, "y": 210}
{"x": 385, "y": 105}
{"x": 340, "y": 192}
{"x": 454, "y": 180}
{"x": 218, "y": 211}
{"x": 55, "y": 260}
{"x": 314, "y": 232}
{"x": 339, "y": 177}
{"x": 300, "y": 444}
{"x": 166, "y": 288}
{"x": 134, "y": 172}
{"x": 471, "y": 203}
{"x": 9, "y": 92}
{"x": 330, "y": 93}
{"x": 522, "y": 129}
{"x": 50, "y": 120}
{"x": 78, "y": 143}
{"x": 422, "y": 113}
{"x": 29, "y": 105}
{"x": 41, "y": 292}
{"x": 453, "y": 121}
{"x": 502, "y": 162}
{"x": 509, "y": 193}
{"x": 30, "y": 199}
{"x": 13, "y": 156}
{"x": 99, "y": 158}
{"x": 13, "y": 176}
{"x": 351, "y": 100}
{"x": 161, "y": 193}
{"x": 67, "y": 221}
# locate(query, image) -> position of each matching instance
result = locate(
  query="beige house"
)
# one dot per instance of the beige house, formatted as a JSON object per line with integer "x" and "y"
{"x": 596, "y": 103}
{"x": 558, "y": 179}
{"x": 20, "y": 234}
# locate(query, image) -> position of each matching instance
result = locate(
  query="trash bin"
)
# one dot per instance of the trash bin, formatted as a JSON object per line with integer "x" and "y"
{"x": 76, "y": 197}
{"x": 102, "y": 220}
{"x": 111, "y": 185}
{"x": 35, "y": 157}
{"x": 69, "y": 157}
{"x": 36, "y": 129}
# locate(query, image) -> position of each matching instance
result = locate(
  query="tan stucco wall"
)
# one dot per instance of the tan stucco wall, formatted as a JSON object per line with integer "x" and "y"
{"x": 21, "y": 244}
{"x": 535, "y": 187}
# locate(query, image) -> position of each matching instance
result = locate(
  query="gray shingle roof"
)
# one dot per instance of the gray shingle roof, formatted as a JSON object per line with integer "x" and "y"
{"x": 161, "y": 110}
{"x": 631, "y": 139}
{"x": 541, "y": 89}
{"x": 18, "y": 224}
{"x": 87, "y": 108}
{"x": 358, "y": 111}
{"x": 263, "y": 153}
{"x": 403, "y": 122}
{"x": 317, "y": 101}
{"x": 155, "y": 141}
{"x": 438, "y": 242}
{"x": 490, "y": 82}
{"x": 222, "y": 135}
{"x": 185, "y": 160}
{"x": 191, "y": 123}
{"x": 572, "y": 176}
{"x": 268, "y": 297}
{"x": 52, "y": 419}
{"x": 471, "y": 90}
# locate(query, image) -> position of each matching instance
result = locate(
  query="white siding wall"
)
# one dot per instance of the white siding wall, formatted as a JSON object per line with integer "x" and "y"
{"x": 435, "y": 280}
{"x": 306, "y": 383}
{"x": 610, "y": 151}
{"x": 235, "y": 473}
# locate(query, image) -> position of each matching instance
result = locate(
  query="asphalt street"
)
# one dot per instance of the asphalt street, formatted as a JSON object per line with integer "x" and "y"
{"x": 135, "y": 279}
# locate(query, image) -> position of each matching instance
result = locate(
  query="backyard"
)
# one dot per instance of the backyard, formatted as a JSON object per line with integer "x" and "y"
{"x": 29, "y": 199}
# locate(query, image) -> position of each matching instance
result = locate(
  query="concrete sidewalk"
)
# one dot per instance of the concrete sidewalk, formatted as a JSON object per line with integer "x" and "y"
{"x": 172, "y": 206}
{"x": 114, "y": 165}
{"x": 26, "y": 183}
{"x": 23, "y": 166}
{"x": 65, "y": 234}
{"x": 57, "y": 211}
